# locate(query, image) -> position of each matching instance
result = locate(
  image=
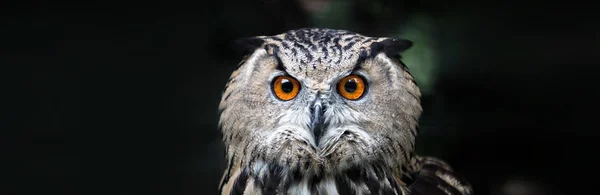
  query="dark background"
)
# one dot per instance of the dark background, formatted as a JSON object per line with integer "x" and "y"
{"x": 121, "y": 97}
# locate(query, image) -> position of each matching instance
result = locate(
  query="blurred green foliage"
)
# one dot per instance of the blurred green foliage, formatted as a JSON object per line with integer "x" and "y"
{"x": 421, "y": 59}
{"x": 334, "y": 15}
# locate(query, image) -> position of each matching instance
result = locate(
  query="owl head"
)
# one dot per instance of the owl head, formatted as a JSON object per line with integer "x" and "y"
{"x": 320, "y": 101}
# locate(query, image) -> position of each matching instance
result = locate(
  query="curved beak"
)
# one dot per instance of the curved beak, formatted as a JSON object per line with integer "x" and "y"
{"x": 317, "y": 119}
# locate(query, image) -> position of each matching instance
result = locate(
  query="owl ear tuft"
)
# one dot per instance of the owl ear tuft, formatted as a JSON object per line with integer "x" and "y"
{"x": 245, "y": 46}
{"x": 391, "y": 47}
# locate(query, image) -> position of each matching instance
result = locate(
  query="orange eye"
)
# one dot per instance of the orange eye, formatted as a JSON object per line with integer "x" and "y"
{"x": 285, "y": 87}
{"x": 351, "y": 87}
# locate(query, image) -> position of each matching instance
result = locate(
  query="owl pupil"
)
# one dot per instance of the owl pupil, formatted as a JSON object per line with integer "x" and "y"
{"x": 350, "y": 86}
{"x": 286, "y": 86}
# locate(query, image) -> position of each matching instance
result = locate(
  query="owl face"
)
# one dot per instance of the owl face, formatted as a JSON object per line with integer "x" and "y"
{"x": 321, "y": 101}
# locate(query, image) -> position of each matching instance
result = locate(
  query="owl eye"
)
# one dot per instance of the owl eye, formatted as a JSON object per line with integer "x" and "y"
{"x": 351, "y": 87}
{"x": 285, "y": 87}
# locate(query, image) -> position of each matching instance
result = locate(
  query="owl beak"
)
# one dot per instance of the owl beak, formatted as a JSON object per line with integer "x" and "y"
{"x": 317, "y": 119}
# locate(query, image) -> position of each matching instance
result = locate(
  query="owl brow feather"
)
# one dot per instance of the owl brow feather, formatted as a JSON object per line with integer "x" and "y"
{"x": 390, "y": 46}
{"x": 362, "y": 56}
{"x": 273, "y": 50}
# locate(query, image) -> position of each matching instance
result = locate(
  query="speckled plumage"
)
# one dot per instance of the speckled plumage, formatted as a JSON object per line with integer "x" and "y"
{"x": 365, "y": 146}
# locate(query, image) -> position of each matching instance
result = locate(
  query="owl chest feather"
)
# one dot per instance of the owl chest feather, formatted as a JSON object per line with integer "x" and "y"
{"x": 273, "y": 179}
{"x": 434, "y": 177}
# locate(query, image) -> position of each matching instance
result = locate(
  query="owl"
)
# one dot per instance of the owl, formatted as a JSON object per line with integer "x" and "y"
{"x": 324, "y": 111}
